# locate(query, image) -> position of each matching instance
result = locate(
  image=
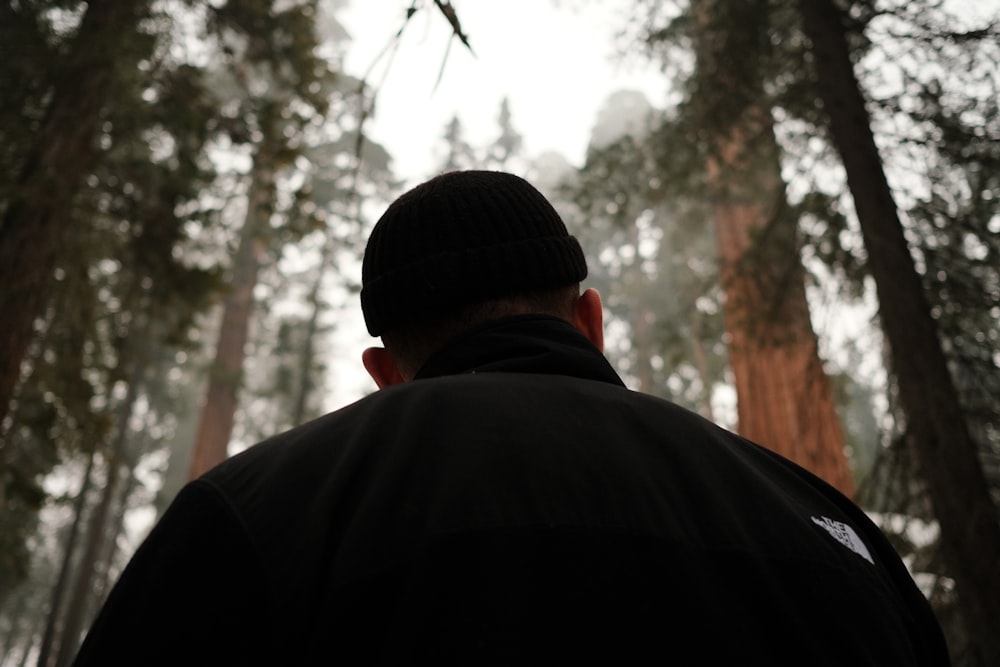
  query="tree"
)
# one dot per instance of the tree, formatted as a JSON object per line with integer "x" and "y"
{"x": 783, "y": 393}
{"x": 925, "y": 85}
{"x": 508, "y": 143}
{"x": 499, "y": 154}
{"x": 652, "y": 255}
{"x": 219, "y": 407}
{"x": 719, "y": 144}
{"x": 936, "y": 423}
{"x": 66, "y": 110}
{"x": 131, "y": 205}
{"x": 459, "y": 154}
{"x": 149, "y": 302}
{"x": 286, "y": 378}
{"x": 283, "y": 83}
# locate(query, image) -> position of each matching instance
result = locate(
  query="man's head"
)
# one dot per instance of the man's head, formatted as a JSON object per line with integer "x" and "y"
{"x": 460, "y": 250}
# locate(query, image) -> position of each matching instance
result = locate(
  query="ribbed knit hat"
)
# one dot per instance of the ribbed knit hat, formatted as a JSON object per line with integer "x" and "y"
{"x": 459, "y": 239}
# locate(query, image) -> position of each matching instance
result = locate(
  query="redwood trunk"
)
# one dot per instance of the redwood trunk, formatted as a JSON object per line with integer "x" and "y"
{"x": 218, "y": 413}
{"x": 936, "y": 427}
{"x": 784, "y": 398}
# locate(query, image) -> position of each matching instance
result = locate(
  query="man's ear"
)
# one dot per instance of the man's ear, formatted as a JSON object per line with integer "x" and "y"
{"x": 380, "y": 366}
{"x": 588, "y": 317}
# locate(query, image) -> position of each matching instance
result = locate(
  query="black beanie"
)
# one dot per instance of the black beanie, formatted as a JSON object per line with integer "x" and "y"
{"x": 462, "y": 238}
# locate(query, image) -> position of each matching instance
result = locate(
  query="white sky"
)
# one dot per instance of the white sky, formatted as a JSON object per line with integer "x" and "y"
{"x": 555, "y": 63}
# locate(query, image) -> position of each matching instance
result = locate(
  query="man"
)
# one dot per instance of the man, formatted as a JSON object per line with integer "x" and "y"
{"x": 504, "y": 499}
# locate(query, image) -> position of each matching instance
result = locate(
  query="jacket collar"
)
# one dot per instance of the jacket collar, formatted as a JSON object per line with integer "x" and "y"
{"x": 522, "y": 344}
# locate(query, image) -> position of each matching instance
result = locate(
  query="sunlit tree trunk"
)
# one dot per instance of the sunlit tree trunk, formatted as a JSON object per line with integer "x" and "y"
{"x": 63, "y": 153}
{"x": 936, "y": 427}
{"x": 784, "y": 399}
{"x": 218, "y": 413}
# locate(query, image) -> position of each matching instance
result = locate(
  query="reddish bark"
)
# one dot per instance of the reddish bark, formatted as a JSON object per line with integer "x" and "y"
{"x": 784, "y": 398}
{"x": 218, "y": 413}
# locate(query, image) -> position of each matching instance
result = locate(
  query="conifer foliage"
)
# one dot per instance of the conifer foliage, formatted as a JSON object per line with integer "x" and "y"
{"x": 140, "y": 143}
{"x": 897, "y": 104}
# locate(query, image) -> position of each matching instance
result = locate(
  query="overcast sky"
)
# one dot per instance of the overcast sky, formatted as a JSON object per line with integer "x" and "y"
{"x": 554, "y": 62}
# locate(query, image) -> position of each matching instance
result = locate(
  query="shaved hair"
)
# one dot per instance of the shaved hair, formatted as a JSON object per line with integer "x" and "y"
{"x": 410, "y": 346}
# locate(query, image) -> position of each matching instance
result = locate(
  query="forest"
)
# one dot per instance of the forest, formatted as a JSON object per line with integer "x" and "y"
{"x": 801, "y": 242}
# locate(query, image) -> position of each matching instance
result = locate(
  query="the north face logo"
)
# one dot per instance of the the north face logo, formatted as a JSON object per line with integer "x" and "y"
{"x": 845, "y": 535}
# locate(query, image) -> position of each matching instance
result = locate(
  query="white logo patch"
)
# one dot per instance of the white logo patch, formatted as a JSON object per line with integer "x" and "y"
{"x": 845, "y": 535}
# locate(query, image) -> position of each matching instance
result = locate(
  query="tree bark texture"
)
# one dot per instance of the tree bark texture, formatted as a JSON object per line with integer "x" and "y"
{"x": 784, "y": 398}
{"x": 218, "y": 413}
{"x": 936, "y": 427}
{"x": 64, "y": 152}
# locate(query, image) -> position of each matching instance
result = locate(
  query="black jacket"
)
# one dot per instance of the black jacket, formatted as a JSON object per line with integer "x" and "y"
{"x": 513, "y": 505}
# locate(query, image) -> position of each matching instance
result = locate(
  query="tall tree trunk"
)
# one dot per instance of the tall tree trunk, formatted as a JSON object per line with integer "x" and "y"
{"x": 62, "y": 581}
{"x": 936, "y": 427}
{"x": 218, "y": 413}
{"x": 699, "y": 355}
{"x": 701, "y": 364}
{"x": 300, "y": 406}
{"x": 784, "y": 398}
{"x": 306, "y": 354}
{"x": 102, "y": 569}
{"x": 63, "y": 153}
{"x": 640, "y": 323}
